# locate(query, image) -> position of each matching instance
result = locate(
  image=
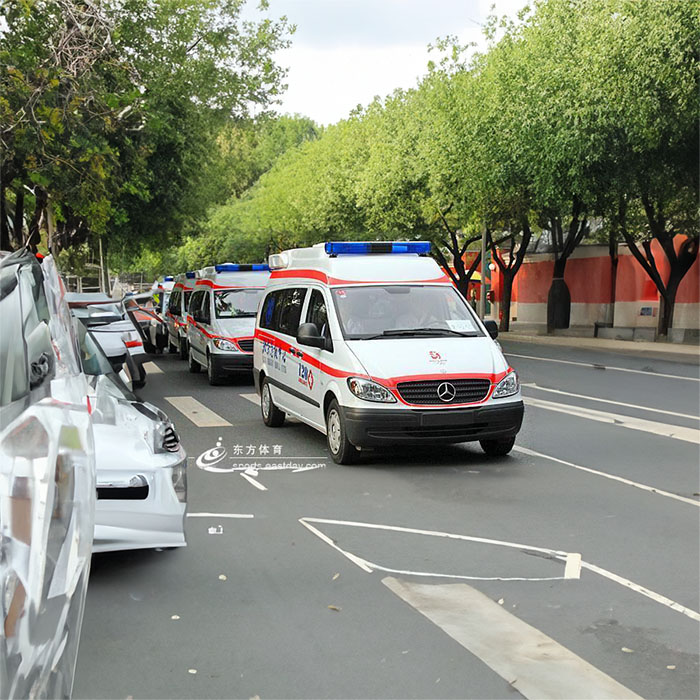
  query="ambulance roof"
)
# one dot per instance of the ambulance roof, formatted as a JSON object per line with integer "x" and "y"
{"x": 186, "y": 280}
{"x": 341, "y": 263}
{"x": 234, "y": 275}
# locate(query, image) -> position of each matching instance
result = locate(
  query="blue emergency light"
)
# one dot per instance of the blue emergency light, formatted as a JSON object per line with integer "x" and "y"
{"x": 190, "y": 275}
{"x": 377, "y": 247}
{"x": 168, "y": 278}
{"x": 258, "y": 267}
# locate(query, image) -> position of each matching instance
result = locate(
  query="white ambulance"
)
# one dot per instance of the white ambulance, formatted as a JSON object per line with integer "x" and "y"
{"x": 371, "y": 344}
{"x": 176, "y": 312}
{"x": 221, "y": 319}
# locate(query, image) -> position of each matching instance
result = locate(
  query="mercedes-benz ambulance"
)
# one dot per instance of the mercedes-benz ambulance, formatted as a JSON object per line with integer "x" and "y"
{"x": 371, "y": 344}
{"x": 176, "y": 313}
{"x": 221, "y": 319}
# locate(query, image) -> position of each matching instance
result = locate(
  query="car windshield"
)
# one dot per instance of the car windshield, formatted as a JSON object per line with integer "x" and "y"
{"x": 237, "y": 303}
{"x": 403, "y": 311}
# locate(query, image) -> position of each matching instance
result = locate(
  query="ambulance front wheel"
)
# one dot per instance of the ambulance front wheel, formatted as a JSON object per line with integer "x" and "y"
{"x": 192, "y": 364}
{"x": 182, "y": 350}
{"x": 272, "y": 416}
{"x": 341, "y": 449}
{"x": 498, "y": 448}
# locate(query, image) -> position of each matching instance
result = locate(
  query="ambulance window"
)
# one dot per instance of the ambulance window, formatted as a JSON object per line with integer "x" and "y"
{"x": 195, "y": 303}
{"x": 268, "y": 310}
{"x": 187, "y": 296}
{"x": 288, "y": 312}
{"x": 205, "y": 310}
{"x": 174, "y": 301}
{"x": 317, "y": 313}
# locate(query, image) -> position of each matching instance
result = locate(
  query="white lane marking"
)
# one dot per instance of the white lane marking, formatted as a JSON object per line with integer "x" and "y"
{"x": 605, "y": 367}
{"x": 197, "y": 412}
{"x": 252, "y": 481}
{"x": 554, "y": 554}
{"x": 616, "y": 403}
{"x": 253, "y": 398}
{"x": 533, "y": 663}
{"x": 657, "y": 597}
{"x": 220, "y": 515}
{"x": 613, "y": 477}
{"x": 152, "y": 368}
{"x": 572, "y": 565}
{"x": 647, "y": 426}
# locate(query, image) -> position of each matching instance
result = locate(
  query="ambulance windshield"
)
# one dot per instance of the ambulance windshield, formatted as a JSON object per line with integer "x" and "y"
{"x": 237, "y": 303}
{"x": 403, "y": 311}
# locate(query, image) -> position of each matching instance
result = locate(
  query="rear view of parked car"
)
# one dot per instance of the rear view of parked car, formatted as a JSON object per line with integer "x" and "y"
{"x": 47, "y": 487}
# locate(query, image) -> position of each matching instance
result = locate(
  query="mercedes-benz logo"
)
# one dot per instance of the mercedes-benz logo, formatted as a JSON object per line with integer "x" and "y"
{"x": 446, "y": 392}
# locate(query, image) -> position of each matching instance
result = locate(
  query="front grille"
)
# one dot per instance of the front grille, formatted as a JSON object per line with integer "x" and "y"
{"x": 426, "y": 392}
{"x": 171, "y": 441}
{"x": 246, "y": 344}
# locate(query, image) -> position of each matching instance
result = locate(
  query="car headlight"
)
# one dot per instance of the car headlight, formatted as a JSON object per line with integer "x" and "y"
{"x": 165, "y": 439}
{"x": 508, "y": 386}
{"x": 370, "y": 391}
{"x": 226, "y": 345}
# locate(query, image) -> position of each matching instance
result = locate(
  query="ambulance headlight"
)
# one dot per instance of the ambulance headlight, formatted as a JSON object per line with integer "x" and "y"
{"x": 508, "y": 386}
{"x": 370, "y": 391}
{"x": 225, "y": 345}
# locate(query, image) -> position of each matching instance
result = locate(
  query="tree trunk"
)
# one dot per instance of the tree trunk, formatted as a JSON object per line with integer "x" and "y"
{"x": 668, "y": 305}
{"x": 18, "y": 221}
{"x": 4, "y": 228}
{"x": 613, "y": 253}
{"x": 34, "y": 236}
{"x": 507, "y": 294}
{"x": 558, "y": 305}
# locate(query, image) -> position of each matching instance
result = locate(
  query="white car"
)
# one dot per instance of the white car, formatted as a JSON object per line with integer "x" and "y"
{"x": 141, "y": 465}
{"x": 371, "y": 344}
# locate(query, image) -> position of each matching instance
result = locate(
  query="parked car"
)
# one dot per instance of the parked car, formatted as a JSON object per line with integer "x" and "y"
{"x": 47, "y": 483}
{"x": 371, "y": 344}
{"x": 141, "y": 465}
{"x": 115, "y": 329}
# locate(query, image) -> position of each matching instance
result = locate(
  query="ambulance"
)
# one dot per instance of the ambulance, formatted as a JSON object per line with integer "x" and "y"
{"x": 176, "y": 312}
{"x": 221, "y": 319}
{"x": 371, "y": 344}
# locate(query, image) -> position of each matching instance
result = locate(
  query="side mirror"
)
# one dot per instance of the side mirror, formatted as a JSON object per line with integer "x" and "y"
{"x": 308, "y": 335}
{"x": 491, "y": 328}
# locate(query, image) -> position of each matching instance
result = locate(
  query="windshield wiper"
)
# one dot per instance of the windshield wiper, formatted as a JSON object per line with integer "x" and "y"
{"x": 398, "y": 332}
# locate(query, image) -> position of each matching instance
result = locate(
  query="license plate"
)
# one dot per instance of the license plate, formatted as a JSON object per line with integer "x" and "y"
{"x": 447, "y": 418}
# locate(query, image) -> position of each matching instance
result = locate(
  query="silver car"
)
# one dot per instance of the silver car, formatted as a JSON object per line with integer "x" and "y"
{"x": 141, "y": 465}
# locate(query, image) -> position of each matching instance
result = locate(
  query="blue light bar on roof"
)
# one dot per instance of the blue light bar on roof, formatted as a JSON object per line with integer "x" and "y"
{"x": 190, "y": 275}
{"x": 258, "y": 267}
{"x": 168, "y": 278}
{"x": 377, "y": 247}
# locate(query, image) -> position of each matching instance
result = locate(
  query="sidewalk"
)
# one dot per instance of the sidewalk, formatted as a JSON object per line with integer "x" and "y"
{"x": 672, "y": 352}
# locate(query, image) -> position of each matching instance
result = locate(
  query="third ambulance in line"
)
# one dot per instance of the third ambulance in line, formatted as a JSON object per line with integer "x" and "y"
{"x": 371, "y": 344}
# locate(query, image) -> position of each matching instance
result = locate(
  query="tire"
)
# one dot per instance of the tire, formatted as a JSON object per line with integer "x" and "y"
{"x": 140, "y": 381}
{"x": 183, "y": 349}
{"x": 272, "y": 416}
{"x": 192, "y": 364}
{"x": 497, "y": 448}
{"x": 341, "y": 449}
{"x": 212, "y": 375}
{"x": 172, "y": 349}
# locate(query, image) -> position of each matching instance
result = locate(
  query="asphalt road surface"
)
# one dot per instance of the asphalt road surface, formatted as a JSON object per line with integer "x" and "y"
{"x": 569, "y": 569}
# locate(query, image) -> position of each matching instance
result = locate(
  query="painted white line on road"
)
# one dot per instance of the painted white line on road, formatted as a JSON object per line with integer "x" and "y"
{"x": 253, "y": 398}
{"x": 604, "y": 367}
{"x": 657, "y": 597}
{"x": 613, "y": 477}
{"x": 530, "y": 661}
{"x": 152, "y": 368}
{"x": 573, "y": 560}
{"x": 252, "y": 481}
{"x": 197, "y": 412}
{"x": 616, "y": 403}
{"x": 220, "y": 515}
{"x": 554, "y": 554}
{"x": 647, "y": 426}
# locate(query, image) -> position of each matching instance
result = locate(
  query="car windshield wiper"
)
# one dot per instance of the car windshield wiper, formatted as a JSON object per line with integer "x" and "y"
{"x": 399, "y": 332}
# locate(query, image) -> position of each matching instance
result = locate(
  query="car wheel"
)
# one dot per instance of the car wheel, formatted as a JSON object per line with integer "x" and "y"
{"x": 272, "y": 416}
{"x": 171, "y": 347}
{"x": 192, "y": 364}
{"x": 140, "y": 381}
{"x": 183, "y": 349}
{"x": 212, "y": 375}
{"x": 497, "y": 448}
{"x": 341, "y": 449}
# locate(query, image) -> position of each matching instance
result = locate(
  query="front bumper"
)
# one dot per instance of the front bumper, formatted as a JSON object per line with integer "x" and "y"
{"x": 233, "y": 363}
{"x": 369, "y": 427}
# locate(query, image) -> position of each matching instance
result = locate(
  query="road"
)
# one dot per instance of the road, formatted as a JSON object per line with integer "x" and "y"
{"x": 568, "y": 569}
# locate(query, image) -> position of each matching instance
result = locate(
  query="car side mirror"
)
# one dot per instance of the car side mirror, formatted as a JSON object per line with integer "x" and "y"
{"x": 308, "y": 335}
{"x": 491, "y": 328}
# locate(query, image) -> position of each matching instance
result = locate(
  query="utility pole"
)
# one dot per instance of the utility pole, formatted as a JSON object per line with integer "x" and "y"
{"x": 482, "y": 286}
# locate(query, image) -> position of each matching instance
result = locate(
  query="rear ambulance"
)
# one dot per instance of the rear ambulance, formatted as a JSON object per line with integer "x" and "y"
{"x": 371, "y": 344}
{"x": 176, "y": 313}
{"x": 221, "y": 319}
